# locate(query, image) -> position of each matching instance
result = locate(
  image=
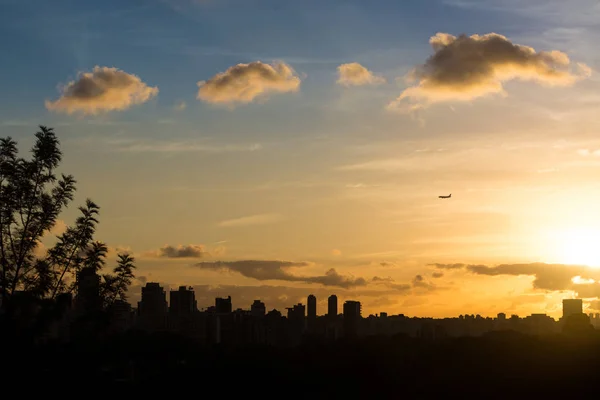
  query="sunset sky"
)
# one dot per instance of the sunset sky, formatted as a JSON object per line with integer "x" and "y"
{"x": 272, "y": 149}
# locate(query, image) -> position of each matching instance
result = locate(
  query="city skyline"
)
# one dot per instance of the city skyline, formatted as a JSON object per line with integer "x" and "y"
{"x": 271, "y": 151}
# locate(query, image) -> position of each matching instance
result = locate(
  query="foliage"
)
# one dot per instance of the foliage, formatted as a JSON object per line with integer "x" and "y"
{"x": 32, "y": 197}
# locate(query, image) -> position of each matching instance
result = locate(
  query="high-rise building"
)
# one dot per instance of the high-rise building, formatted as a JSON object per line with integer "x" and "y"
{"x": 297, "y": 312}
{"x": 258, "y": 309}
{"x": 154, "y": 300}
{"x": 312, "y": 307}
{"x": 182, "y": 301}
{"x": 312, "y": 313}
{"x": 88, "y": 290}
{"x": 152, "y": 308}
{"x": 352, "y": 316}
{"x": 332, "y": 306}
{"x": 223, "y": 305}
{"x": 572, "y": 306}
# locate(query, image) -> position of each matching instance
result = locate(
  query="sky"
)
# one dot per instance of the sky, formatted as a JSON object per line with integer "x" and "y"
{"x": 272, "y": 149}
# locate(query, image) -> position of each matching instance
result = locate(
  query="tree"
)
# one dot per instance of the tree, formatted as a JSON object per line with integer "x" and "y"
{"x": 31, "y": 199}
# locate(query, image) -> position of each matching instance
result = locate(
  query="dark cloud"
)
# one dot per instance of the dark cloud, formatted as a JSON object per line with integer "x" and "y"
{"x": 417, "y": 282}
{"x": 437, "y": 274}
{"x": 104, "y": 89}
{"x": 276, "y": 270}
{"x": 380, "y": 279}
{"x": 420, "y": 282}
{"x": 182, "y": 251}
{"x": 387, "y": 264}
{"x": 547, "y": 276}
{"x": 243, "y": 83}
{"x": 448, "y": 266}
{"x": 555, "y": 277}
{"x": 466, "y": 67}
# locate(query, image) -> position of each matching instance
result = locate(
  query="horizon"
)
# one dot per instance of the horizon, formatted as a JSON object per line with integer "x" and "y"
{"x": 271, "y": 151}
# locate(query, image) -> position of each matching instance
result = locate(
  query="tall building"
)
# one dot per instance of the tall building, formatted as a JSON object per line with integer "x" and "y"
{"x": 312, "y": 312}
{"x": 352, "y": 316}
{"x": 223, "y": 306}
{"x": 88, "y": 290}
{"x": 332, "y": 306}
{"x": 312, "y": 307}
{"x": 572, "y": 306}
{"x": 296, "y": 316}
{"x": 154, "y": 301}
{"x": 183, "y": 301}
{"x": 258, "y": 309}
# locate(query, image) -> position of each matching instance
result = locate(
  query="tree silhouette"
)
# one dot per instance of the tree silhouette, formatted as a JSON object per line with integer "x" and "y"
{"x": 31, "y": 200}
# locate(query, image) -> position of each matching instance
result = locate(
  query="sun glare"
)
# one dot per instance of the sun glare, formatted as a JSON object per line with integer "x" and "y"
{"x": 579, "y": 246}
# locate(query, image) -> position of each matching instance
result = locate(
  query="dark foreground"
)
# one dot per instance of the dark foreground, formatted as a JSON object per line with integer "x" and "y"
{"x": 498, "y": 365}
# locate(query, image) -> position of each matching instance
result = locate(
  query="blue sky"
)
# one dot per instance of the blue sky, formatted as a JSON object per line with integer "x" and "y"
{"x": 323, "y": 174}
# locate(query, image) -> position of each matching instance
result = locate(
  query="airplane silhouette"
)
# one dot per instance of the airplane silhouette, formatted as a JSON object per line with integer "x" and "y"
{"x": 445, "y": 197}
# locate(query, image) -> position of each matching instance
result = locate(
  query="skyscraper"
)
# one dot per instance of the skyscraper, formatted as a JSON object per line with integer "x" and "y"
{"x": 352, "y": 316}
{"x": 312, "y": 313}
{"x": 154, "y": 300}
{"x": 258, "y": 309}
{"x": 88, "y": 290}
{"x": 152, "y": 309}
{"x": 572, "y": 306}
{"x": 312, "y": 307}
{"x": 183, "y": 301}
{"x": 223, "y": 305}
{"x": 332, "y": 306}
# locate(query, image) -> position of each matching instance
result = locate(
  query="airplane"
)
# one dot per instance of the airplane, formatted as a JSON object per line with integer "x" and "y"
{"x": 445, "y": 197}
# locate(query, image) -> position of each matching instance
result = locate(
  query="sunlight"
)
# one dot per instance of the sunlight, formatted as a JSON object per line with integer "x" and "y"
{"x": 579, "y": 246}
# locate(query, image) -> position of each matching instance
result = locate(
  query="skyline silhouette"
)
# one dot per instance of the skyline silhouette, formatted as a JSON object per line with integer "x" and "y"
{"x": 268, "y": 149}
{"x": 319, "y": 199}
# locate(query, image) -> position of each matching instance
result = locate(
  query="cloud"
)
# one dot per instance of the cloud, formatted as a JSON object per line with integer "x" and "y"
{"x": 588, "y": 152}
{"x": 388, "y": 264}
{"x": 102, "y": 90}
{"x": 155, "y": 146}
{"x": 437, "y": 274}
{"x": 552, "y": 277}
{"x": 354, "y": 74}
{"x": 260, "y": 219}
{"x": 448, "y": 266}
{"x": 467, "y": 67}
{"x": 244, "y": 83}
{"x": 336, "y": 252}
{"x": 417, "y": 282}
{"x": 276, "y": 270}
{"x": 420, "y": 282}
{"x": 183, "y": 251}
{"x": 180, "y": 105}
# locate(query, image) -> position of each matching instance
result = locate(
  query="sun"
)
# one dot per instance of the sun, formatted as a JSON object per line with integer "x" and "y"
{"x": 580, "y": 246}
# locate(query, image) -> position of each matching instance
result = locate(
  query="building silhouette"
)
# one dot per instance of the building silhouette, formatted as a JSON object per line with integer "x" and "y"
{"x": 571, "y": 307}
{"x": 88, "y": 290}
{"x": 223, "y": 305}
{"x": 182, "y": 301}
{"x": 152, "y": 308}
{"x": 311, "y": 320}
{"x": 258, "y": 309}
{"x": 332, "y": 306}
{"x": 352, "y": 317}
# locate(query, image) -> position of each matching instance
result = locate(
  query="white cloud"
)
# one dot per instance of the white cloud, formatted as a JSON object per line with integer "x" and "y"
{"x": 102, "y": 90}
{"x": 260, "y": 219}
{"x": 244, "y": 83}
{"x": 354, "y": 74}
